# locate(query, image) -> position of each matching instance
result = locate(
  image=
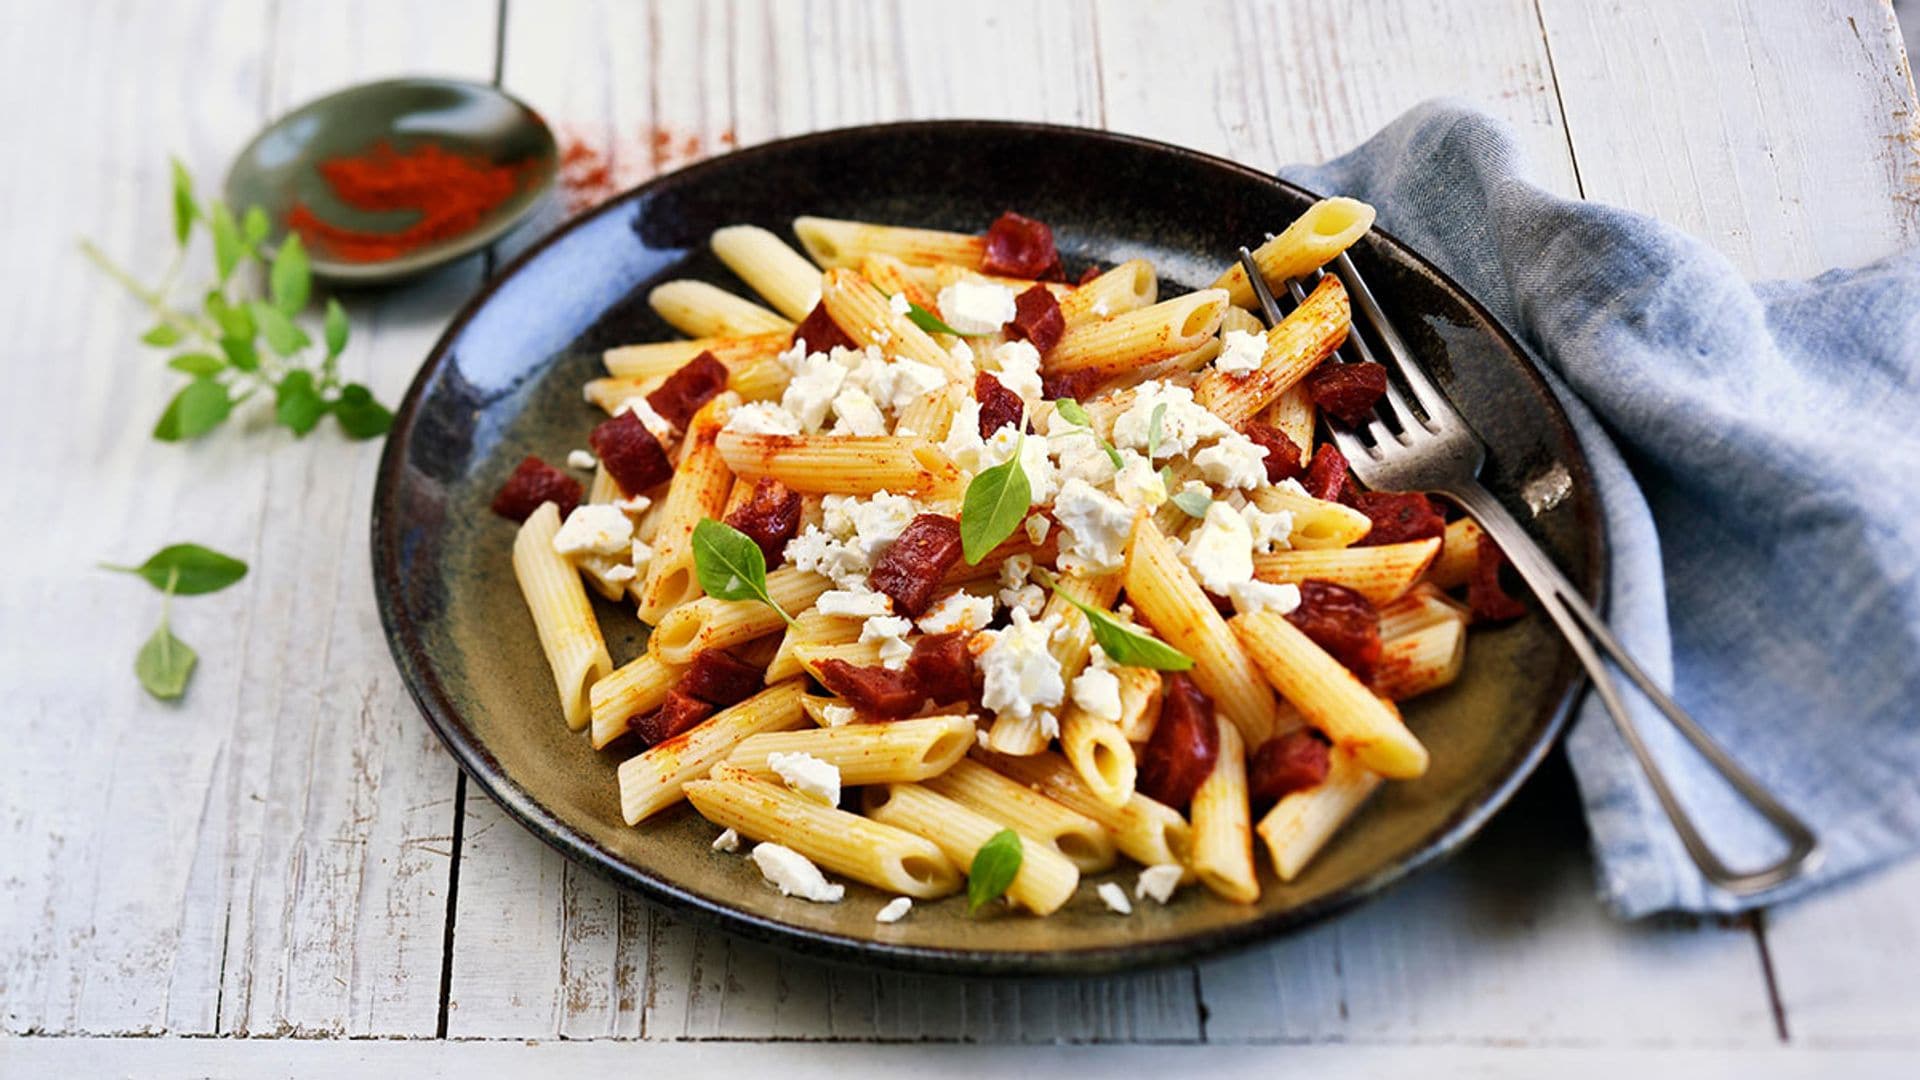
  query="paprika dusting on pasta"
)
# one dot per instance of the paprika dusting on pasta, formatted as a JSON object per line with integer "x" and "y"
{"x": 451, "y": 192}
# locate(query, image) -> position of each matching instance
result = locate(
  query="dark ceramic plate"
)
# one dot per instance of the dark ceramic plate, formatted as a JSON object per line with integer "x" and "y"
{"x": 505, "y": 381}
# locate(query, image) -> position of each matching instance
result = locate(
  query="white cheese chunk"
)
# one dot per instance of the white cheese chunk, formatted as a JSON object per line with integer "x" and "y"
{"x": 642, "y": 556}
{"x": 595, "y": 529}
{"x": 1115, "y": 898}
{"x": 958, "y": 612}
{"x": 856, "y": 413}
{"x": 1138, "y": 484}
{"x": 1220, "y": 551}
{"x": 659, "y": 426}
{"x": 1159, "y": 881}
{"x": 899, "y": 304}
{"x": 839, "y": 715}
{"x": 1042, "y": 480}
{"x": 891, "y": 632}
{"x": 1019, "y": 364}
{"x": 762, "y": 418}
{"x": 1038, "y": 526}
{"x": 795, "y": 875}
{"x": 1097, "y": 527}
{"x": 1251, "y": 596}
{"x": 1234, "y": 461}
{"x": 581, "y": 459}
{"x": 895, "y": 909}
{"x": 1271, "y": 531}
{"x": 807, "y": 775}
{"x": 976, "y": 307}
{"x": 1242, "y": 352}
{"x": 728, "y": 841}
{"x": 1021, "y": 674}
{"x": 636, "y": 504}
{"x": 1097, "y": 689}
{"x": 810, "y": 393}
{"x": 852, "y": 604}
{"x": 1183, "y": 427}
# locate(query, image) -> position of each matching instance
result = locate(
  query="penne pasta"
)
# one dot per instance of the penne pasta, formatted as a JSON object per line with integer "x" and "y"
{"x": 634, "y": 688}
{"x": 1296, "y": 344}
{"x": 1317, "y": 523}
{"x": 900, "y": 751}
{"x": 1459, "y": 553}
{"x": 1130, "y": 286}
{"x": 864, "y": 314}
{"x": 1301, "y": 823}
{"x": 1084, "y": 841}
{"x": 1099, "y": 752}
{"x": 1422, "y": 660}
{"x": 809, "y": 628}
{"x": 576, "y": 653}
{"x": 842, "y": 464}
{"x": 1137, "y": 338}
{"x": 1222, "y": 824}
{"x": 1146, "y": 831}
{"x": 1139, "y": 702}
{"x": 1028, "y": 735}
{"x": 1328, "y": 228}
{"x": 1293, "y": 413}
{"x": 653, "y": 780}
{"x": 835, "y": 243}
{"x": 890, "y": 276}
{"x": 1382, "y": 574}
{"x": 1045, "y": 879}
{"x": 698, "y": 490}
{"x": 700, "y": 310}
{"x": 659, "y": 359}
{"x": 1330, "y": 697}
{"x": 782, "y": 276}
{"x": 887, "y": 858}
{"x": 712, "y": 623}
{"x": 1423, "y": 606}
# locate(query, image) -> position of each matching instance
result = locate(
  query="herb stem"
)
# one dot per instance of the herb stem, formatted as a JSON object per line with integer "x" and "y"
{"x": 152, "y": 298}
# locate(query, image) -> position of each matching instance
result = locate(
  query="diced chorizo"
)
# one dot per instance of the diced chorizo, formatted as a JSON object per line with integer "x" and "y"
{"x": 678, "y": 714}
{"x": 1342, "y": 622}
{"x": 719, "y": 678}
{"x": 820, "y": 332}
{"x": 876, "y": 691}
{"x": 770, "y": 517}
{"x": 630, "y": 453}
{"x": 1037, "y": 317}
{"x": 1078, "y": 384}
{"x": 1397, "y": 516}
{"x": 1283, "y": 457}
{"x": 534, "y": 482}
{"x": 696, "y": 383}
{"x": 1486, "y": 595}
{"x": 1184, "y": 745}
{"x": 999, "y": 406}
{"x": 1327, "y": 476}
{"x": 1348, "y": 391}
{"x": 911, "y": 568}
{"x": 942, "y": 666}
{"x": 1019, "y": 246}
{"x": 1285, "y": 764}
{"x": 1089, "y": 274}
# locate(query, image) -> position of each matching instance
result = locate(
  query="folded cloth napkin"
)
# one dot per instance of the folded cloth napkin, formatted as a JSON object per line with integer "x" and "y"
{"x": 1757, "y": 456}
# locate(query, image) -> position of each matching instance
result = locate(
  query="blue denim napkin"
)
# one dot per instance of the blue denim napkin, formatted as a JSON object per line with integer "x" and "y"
{"x": 1757, "y": 449}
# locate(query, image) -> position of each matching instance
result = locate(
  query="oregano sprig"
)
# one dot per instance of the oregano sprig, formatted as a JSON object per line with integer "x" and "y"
{"x": 164, "y": 663}
{"x": 240, "y": 340}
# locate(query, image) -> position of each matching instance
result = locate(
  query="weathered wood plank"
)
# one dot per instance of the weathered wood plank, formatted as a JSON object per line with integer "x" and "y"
{"x": 1845, "y": 962}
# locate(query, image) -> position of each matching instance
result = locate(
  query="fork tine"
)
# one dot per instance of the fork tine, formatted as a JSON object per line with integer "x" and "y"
{"x": 1404, "y": 416}
{"x": 1352, "y": 447}
{"x": 1400, "y": 357}
{"x": 1258, "y": 281}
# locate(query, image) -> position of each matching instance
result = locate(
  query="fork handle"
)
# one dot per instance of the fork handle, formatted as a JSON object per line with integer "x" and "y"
{"x": 1583, "y": 629}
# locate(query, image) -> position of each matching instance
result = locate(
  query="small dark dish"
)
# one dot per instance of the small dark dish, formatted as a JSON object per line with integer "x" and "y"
{"x": 505, "y": 381}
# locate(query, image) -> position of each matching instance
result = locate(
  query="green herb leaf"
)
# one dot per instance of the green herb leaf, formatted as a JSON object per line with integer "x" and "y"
{"x": 290, "y": 280}
{"x": 1125, "y": 645}
{"x": 198, "y": 408}
{"x": 187, "y": 569}
{"x": 234, "y": 319}
{"x": 359, "y": 415}
{"x": 1073, "y": 412}
{"x": 1154, "y": 430}
{"x": 335, "y": 330}
{"x": 296, "y": 403}
{"x": 282, "y": 336}
{"x": 184, "y": 208}
{"x": 197, "y": 363}
{"x": 163, "y": 335}
{"x": 1193, "y": 503}
{"x": 164, "y": 663}
{"x": 227, "y": 245}
{"x": 730, "y": 565}
{"x": 995, "y": 505}
{"x": 241, "y": 353}
{"x": 928, "y": 321}
{"x": 255, "y": 225}
{"x": 993, "y": 869}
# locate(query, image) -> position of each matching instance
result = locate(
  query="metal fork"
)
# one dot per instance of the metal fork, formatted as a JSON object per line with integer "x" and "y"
{"x": 1434, "y": 450}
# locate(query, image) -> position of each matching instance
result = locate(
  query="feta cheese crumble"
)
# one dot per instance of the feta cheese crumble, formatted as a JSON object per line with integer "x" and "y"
{"x": 762, "y": 418}
{"x": 807, "y": 775}
{"x": 581, "y": 459}
{"x": 728, "y": 841}
{"x": 976, "y": 307}
{"x": 1017, "y": 591}
{"x": 1115, "y": 898}
{"x": 896, "y": 908}
{"x": 659, "y": 426}
{"x": 1220, "y": 551}
{"x": 899, "y": 304}
{"x": 852, "y": 604}
{"x": 1019, "y": 365}
{"x": 1097, "y": 689}
{"x": 1185, "y": 425}
{"x": 1023, "y": 678}
{"x": 1159, "y": 881}
{"x": 839, "y": 715}
{"x": 795, "y": 875}
{"x": 1242, "y": 352}
{"x": 958, "y": 612}
{"x": 1235, "y": 461}
{"x": 1271, "y": 531}
{"x": 1097, "y": 527}
{"x": 642, "y": 556}
{"x": 891, "y": 632}
{"x": 856, "y": 413}
{"x": 1251, "y": 596}
{"x": 595, "y": 529}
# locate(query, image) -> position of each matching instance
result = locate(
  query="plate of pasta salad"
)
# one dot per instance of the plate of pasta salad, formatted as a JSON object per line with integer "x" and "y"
{"x": 911, "y": 543}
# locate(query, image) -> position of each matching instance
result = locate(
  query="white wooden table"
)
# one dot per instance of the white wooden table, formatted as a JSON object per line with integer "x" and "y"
{"x": 286, "y": 873}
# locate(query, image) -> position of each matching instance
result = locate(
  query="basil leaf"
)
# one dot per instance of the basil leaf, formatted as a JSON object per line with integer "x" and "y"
{"x": 335, "y": 331}
{"x": 227, "y": 245}
{"x": 197, "y": 363}
{"x": 234, "y": 319}
{"x": 255, "y": 225}
{"x": 282, "y": 336}
{"x": 163, "y": 335}
{"x": 928, "y": 321}
{"x": 291, "y": 280}
{"x": 1125, "y": 645}
{"x": 1073, "y": 412}
{"x": 198, "y": 408}
{"x": 1154, "y": 430}
{"x": 164, "y": 663}
{"x": 241, "y": 353}
{"x": 296, "y": 403}
{"x": 190, "y": 569}
{"x": 184, "y": 208}
{"x": 730, "y": 565}
{"x": 995, "y": 505}
{"x": 359, "y": 415}
{"x": 1192, "y": 503}
{"x": 994, "y": 867}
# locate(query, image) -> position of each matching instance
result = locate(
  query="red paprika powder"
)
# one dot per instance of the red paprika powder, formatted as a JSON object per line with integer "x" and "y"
{"x": 451, "y": 192}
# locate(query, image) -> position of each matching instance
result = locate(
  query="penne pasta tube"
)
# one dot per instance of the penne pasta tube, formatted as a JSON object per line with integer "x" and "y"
{"x": 1148, "y": 832}
{"x": 1326, "y": 229}
{"x": 842, "y": 464}
{"x": 1459, "y": 553}
{"x": 1161, "y": 589}
{"x": 1069, "y": 646}
{"x": 820, "y": 710}
{"x": 653, "y": 780}
{"x": 758, "y": 653}
{"x": 1425, "y": 659}
{"x": 1084, "y": 841}
{"x": 659, "y": 359}
{"x": 569, "y": 634}
{"x": 1239, "y": 318}
{"x": 1139, "y": 702}
{"x": 890, "y": 276}
{"x": 1330, "y": 697}
{"x": 699, "y": 310}
{"x": 900, "y": 751}
{"x": 867, "y": 851}
{"x": 809, "y": 628}
{"x": 782, "y": 276}
{"x": 603, "y": 488}
{"x": 1100, "y": 754}
{"x": 864, "y": 314}
{"x": 1137, "y": 338}
{"x": 857, "y": 653}
{"x": 930, "y": 416}
{"x": 1223, "y": 825}
{"x": 698, "y": 490}
{"x": 1301, "y": 823}
{"x": 1045, "y": 880}
{"x": 1296, "y": 344}
{"x": 1175, "y": 367}
{"x": 833, "y": 242}
{"x": 712, "y": 623}
{"x": 1382, "y": 574}
{"x": 1293, "y": 413}
{"x": 611, "y": 394}
{"x": 1423, "y": 606}
{"x": 1130, "y": 286}
{"x": 634, "y": 688}
{"x": 1317, "y": 523}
